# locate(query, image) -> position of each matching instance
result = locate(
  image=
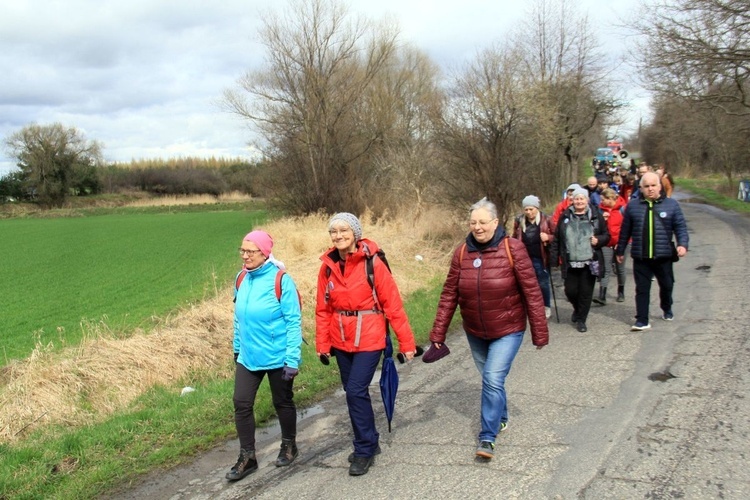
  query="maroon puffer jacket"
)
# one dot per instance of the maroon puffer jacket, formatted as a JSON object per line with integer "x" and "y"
{"x": 495, "y": 298}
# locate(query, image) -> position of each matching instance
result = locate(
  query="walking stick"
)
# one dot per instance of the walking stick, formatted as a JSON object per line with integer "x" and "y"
{"x": 552, "y": 287}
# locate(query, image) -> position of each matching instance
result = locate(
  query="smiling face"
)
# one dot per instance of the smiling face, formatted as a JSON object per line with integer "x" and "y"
{"x": 251, "y": 255}
{"x": 342, "y": 238}
{"x": 483, "y": 225}
{"x": 579, "y": 203}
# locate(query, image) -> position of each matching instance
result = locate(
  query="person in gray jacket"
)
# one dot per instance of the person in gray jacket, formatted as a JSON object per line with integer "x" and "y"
{"x": 652, "y": 221}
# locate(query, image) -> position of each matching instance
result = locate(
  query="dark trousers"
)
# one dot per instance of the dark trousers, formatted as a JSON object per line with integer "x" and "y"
{"x": 357, "y": 370}
{"x": 643, "y": 271}
{"x": 579, "y": 290}
{"x": 246, "y": 384}
{"x": 542, "y": 276}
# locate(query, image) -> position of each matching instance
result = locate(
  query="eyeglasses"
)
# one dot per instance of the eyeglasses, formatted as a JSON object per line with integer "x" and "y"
{"x": 473, "y": 223}
{"x": 336, "y": 232}
{"x": 251, "y": 253}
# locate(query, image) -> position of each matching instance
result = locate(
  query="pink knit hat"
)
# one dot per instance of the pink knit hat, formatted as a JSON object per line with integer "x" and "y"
{"x": 262, "y": 240}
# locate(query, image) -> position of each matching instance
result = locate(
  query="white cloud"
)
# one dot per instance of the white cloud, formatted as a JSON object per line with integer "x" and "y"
{"x": 143, "y": 76}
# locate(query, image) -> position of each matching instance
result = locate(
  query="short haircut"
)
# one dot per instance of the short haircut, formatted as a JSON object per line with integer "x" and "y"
{"x": 485, "y": 204}
{"x": 609, "y": 193}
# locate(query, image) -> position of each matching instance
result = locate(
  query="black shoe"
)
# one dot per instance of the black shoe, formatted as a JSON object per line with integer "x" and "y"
{"x": 351, "y": 455}
{"x": 245, "y": 465}
{"x": 620, "y": 293}
{"x": 361, "y": 465}
{"x": 287, "y": 454}
{"x": 602, "y": 298}
{"x": 581, "y": 327}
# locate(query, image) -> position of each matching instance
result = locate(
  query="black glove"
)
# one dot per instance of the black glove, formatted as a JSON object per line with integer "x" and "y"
{"x": 288, "y": 373}
{"x": 236, "y": 355}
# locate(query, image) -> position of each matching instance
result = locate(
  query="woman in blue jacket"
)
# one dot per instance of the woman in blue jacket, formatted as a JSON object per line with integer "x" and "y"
{"x": 267, "y": 339}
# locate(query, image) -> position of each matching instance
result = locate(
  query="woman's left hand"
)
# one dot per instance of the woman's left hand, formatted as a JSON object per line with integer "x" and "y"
{"x": 594, "y": 240}
{"x": 409, "y": 355}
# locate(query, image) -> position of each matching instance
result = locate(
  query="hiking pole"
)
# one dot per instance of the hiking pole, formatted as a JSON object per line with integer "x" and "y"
{"x": 552, "y": 287}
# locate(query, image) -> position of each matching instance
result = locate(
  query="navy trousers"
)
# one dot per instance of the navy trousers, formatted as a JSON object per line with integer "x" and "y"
{"x": 643, "y": 271}
{"x": 357, "y": 370}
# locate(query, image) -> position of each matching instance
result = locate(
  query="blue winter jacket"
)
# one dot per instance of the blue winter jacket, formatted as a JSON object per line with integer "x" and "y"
{"x": 651, "y": 225}
{"x": 267, "y": 331}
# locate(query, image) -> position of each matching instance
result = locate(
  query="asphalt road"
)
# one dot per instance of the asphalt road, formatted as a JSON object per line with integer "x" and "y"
{"x": 604, "y": 414}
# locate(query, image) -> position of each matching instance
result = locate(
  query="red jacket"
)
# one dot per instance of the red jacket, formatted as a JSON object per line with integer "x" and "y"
{"x": 559, "y": 209}
{"x": 614, "y": 220}
{"x": 495, "y": 298}
{"x": 346, "y": 314}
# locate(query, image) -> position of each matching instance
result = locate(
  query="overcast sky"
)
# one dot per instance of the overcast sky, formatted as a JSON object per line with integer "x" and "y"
{"x": 143, "y": 76}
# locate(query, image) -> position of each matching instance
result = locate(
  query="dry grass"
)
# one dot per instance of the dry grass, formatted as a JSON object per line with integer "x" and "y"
{"x": 105, "y": 373}
{"x": 198, "y": 199}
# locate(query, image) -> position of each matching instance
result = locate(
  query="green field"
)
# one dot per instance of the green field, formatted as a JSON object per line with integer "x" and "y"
{"x": 123, "y": 268}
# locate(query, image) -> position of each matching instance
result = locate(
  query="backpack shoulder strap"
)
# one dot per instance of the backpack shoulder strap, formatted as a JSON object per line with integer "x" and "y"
{"x": 277, "y": 284}
{"x": 461, "y": 253}
{"x": 507, "y": 250}
{"x": 238, "y": 282}
{"x": 370, "y": 270}
{"x": 240, "y": 277}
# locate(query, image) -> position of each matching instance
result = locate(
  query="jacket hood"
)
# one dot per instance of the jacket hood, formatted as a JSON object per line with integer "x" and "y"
{"x": 619, "y": 203}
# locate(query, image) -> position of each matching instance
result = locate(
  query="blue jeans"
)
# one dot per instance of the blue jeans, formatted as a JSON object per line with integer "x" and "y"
{"x": 542, "y": 276}
{"x": 493, "y": 359}
{"x": 357, "y": 370}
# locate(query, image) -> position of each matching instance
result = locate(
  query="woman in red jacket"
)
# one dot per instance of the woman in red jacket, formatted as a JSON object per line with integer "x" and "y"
{"x": 493, "y": 280}
{"x": 612, "y": 207}
{"x": 350, "y": 317}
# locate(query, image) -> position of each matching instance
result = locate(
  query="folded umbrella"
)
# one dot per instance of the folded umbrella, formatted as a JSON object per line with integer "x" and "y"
{"x": 388, "y": 381}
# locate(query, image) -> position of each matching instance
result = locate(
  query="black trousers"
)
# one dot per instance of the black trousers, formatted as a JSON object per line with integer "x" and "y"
{"x": 246, "y": 384}
{"x": 579, "y": 290}
{"x": 643, "y": 271}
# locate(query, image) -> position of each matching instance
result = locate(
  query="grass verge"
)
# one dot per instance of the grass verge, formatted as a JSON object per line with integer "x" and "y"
{"x": 160, "y": 429}
{"x": 715, "y": 191}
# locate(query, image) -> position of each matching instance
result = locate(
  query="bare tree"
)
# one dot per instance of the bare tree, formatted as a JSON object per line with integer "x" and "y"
{"x": 52, "y": 158}
{"x": 484, "y": 133}
{"x": 698, "y": 50}
{"x": 564, "y": 68}
{"x": 320, "y": 104}
{"x": 687, "y": 136}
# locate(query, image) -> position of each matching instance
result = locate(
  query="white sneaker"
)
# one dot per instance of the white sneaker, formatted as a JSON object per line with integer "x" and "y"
{"x": 639, "y": 327}
{"x": 547, "y": 312}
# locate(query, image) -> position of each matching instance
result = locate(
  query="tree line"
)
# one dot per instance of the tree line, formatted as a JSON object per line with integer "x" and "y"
{"x": 350, "y": 116}
{"x": 695, "y": 56}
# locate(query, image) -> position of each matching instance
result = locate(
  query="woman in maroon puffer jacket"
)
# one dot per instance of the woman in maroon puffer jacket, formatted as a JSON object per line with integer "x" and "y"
{"x": 492, "y": 278}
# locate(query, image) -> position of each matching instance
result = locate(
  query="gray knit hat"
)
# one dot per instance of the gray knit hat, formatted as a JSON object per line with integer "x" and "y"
{"x": 581, "y": 191}
{"x": 530, "y": 201}
{"x": 350, "y": 220}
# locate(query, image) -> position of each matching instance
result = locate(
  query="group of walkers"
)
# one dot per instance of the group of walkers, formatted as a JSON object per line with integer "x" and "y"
{"x": 500, "y": 281}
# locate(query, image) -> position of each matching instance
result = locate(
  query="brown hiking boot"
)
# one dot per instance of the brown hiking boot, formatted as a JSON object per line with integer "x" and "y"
{"x": 246, "y": 464}
{"x": 287, "y": 453}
